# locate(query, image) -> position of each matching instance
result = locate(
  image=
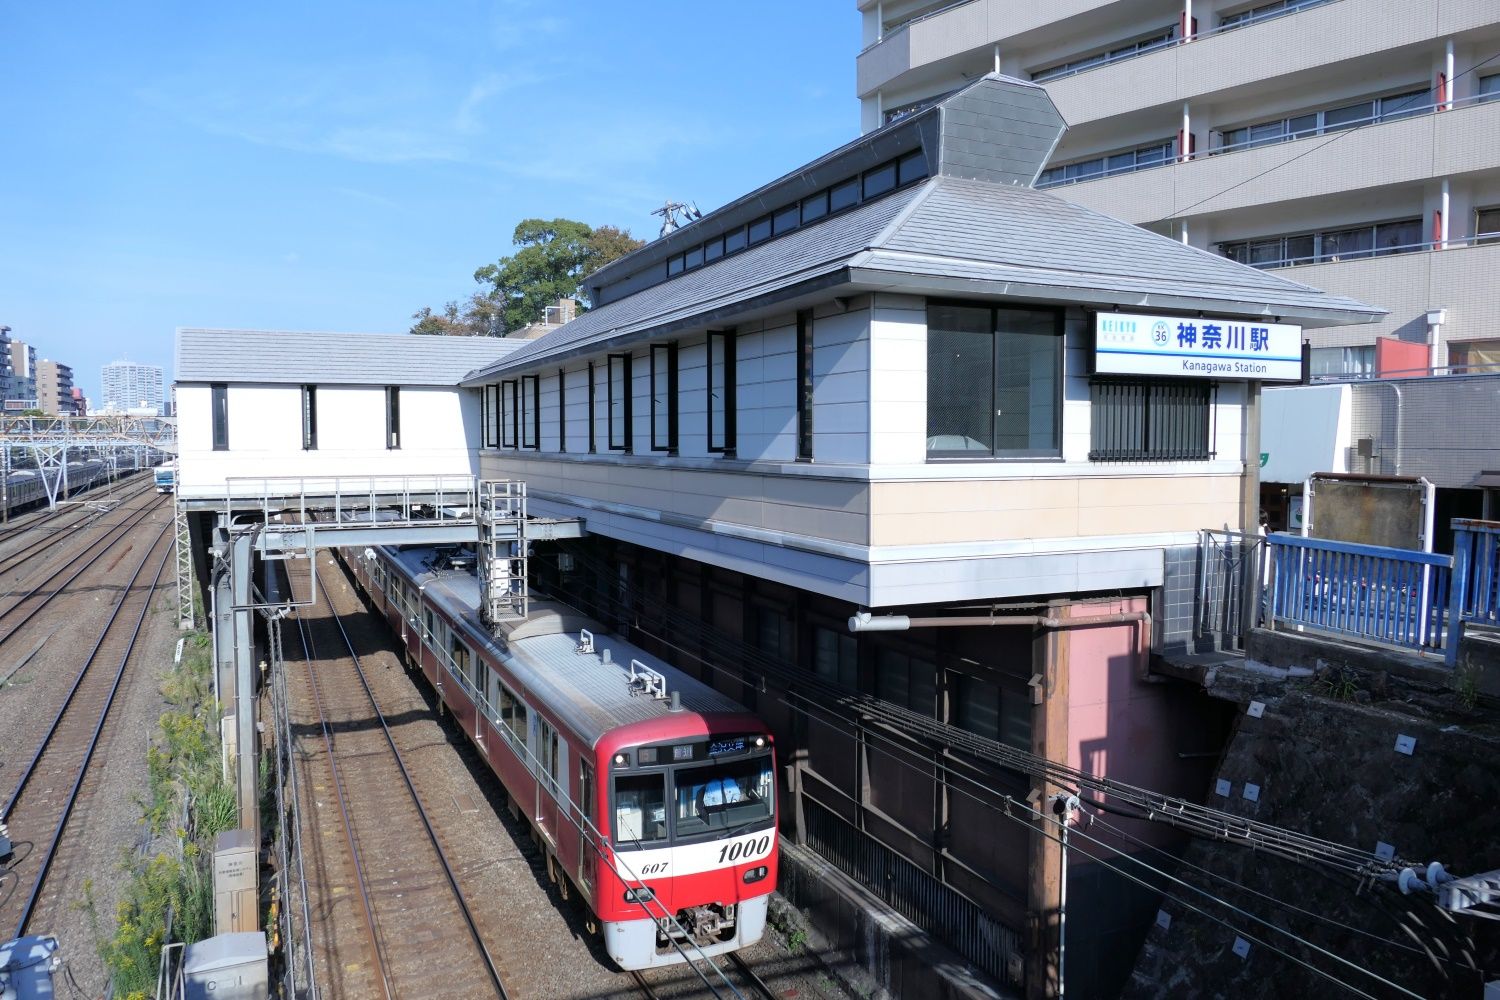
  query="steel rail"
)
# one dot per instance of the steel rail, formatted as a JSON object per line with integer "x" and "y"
{"x": 376, "y": 951}
{"x": 645, "y": 986}
{"x": 743, "y": 967}
{"x": 123, "y": 530}
{"x": 52, "y": 514}
{"x": 442, "y": 856}
{"x": 88, "y": 756}
{"x": 55, "y": 533}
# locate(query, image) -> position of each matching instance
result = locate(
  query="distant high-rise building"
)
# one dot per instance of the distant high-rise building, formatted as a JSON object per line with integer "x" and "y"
{"x": 20, "y": 391}
{"x": 54, "y": 388}
{"x": 131, "y": 386}
{"x": 80, "y": 403}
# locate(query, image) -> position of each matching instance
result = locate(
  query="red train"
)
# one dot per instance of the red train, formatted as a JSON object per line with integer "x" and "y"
{"x": 651, "y": 793}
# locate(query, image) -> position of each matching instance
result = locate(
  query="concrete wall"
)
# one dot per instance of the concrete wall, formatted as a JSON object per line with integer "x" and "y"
{"x": 439, "y": 431}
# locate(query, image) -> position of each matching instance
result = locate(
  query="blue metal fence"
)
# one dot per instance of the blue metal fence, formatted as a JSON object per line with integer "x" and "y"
{"x": 1370, "y": 592}
{"x": 1476, "y": 578}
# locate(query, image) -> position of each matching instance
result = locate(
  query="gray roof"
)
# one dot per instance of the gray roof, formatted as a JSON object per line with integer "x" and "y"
{"x": 333, "y": 358}
{"x": 801, "y": 256}
{"x": 951, "y": 236}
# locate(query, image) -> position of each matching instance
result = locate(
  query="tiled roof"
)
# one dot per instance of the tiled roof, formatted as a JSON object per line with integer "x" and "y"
{"x": 332, "y": 358}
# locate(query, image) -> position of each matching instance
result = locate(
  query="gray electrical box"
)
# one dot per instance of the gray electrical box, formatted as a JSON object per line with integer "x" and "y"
{"x": 227, "y": 967}
{"x": 236, "y": 892}
{"x": 26, "y": 967}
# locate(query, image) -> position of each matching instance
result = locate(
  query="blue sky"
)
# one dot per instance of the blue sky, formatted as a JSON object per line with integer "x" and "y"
{"x": 337, "y": 165}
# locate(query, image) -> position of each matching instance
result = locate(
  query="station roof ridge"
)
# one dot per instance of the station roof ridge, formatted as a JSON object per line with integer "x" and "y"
{"x": 295, "y": 356}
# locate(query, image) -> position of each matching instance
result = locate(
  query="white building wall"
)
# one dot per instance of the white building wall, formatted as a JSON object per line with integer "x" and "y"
{"x": 439, "y": 435}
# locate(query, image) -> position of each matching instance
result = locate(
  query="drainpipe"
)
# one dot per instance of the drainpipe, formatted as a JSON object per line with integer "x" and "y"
{"x": 997, "y": 57}
{"x": 1448, "y": 79}
{"x": 1443, "y": 216}
{"x": 1437, "y": 350}
{"x": 1185, "y": 138}
{"x": 866, "y": 622}
{"x": 1397, "y": 390}
{"x": 880, "y": 22}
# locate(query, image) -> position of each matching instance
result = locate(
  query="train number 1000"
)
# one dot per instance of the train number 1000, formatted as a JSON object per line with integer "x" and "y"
{"x": 744, "y": 849}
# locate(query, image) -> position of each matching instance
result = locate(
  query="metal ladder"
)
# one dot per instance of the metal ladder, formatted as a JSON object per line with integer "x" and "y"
{"x": 186, "y": 616}
{"x": 502, "y": 552}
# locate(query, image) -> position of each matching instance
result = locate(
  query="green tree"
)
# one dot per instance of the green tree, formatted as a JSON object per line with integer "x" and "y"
{"x": 478, "y": 317}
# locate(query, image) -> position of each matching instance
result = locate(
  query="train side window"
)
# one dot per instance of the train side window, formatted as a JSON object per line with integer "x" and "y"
{"x": 640, "y": 808}
{"x": 586, "y": 794}
{"x": 429, "y": 629}
{"x": 513, "y": 715}
{"x": 462, "y": 659}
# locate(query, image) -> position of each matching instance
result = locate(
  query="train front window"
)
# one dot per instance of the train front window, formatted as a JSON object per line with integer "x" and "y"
{"x": 640, "y": 808}
{"x": 725, "y": 794}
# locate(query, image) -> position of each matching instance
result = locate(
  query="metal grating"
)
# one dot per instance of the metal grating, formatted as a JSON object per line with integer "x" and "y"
{"x": 938, "y": 909}
{"x": 1161, "y": 421}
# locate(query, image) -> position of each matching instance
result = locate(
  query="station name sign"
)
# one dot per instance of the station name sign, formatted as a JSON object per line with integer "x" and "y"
{"x": 1197, "y": 347}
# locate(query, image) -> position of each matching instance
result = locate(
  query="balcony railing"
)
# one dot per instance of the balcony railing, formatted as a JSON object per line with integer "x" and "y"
{"x": 897, "y": 28}
{"x": 1390, "y": 251}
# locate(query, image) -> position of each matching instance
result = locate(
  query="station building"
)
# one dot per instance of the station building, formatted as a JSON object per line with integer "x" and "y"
{"x": 898, "y": 425}
{"x": 1347, "y": 144}
{"x": 902, "y": 381}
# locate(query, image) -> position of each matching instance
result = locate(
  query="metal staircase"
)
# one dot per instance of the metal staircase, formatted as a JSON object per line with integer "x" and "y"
{"x": 502, "y": 552}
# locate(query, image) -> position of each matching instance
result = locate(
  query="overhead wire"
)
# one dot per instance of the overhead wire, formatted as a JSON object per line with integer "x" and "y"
{"x": 904, "y": 752}
{"x": 1344, "y": 133}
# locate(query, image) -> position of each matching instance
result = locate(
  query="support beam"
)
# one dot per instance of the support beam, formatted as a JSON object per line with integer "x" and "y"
{"x": 241, "y": 565}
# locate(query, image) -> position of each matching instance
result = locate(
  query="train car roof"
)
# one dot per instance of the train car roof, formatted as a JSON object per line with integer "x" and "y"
{"x": 590, "y": 695}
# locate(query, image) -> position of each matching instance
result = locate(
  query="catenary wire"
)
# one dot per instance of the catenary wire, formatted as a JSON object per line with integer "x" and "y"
{"x": 907, "y": 752}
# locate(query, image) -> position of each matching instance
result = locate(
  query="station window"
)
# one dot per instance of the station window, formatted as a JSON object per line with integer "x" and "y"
{"x": 220, "y": 406}
{"x": 721, "y": 391}
{"x": 393, "y": 416}
{"x": 490, "y": 406}
{"x": 309, "y": 418}
{"x": 664, "y": 398}
{"x": 562, "y": 409}
{"x": 618, "y": 404}
{"x": 804, "y": 386}
{"x": 984, "y": 709}
{"x": 531, "y": 411}
{"x": 510, "y": 420}
{"x": 994, "y": 382}
{"x": 592, "y": 439}
{"x": 1167, "y": 420}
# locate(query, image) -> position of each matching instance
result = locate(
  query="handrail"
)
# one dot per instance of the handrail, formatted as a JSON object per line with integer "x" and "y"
{"x": 884, "y": 35}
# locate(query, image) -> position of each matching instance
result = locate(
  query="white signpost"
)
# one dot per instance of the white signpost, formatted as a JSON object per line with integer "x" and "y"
{"x": 1196, "y": 347}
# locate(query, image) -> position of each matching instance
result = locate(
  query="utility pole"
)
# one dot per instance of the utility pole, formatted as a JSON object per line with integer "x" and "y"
{"x": 1065, "y": 806}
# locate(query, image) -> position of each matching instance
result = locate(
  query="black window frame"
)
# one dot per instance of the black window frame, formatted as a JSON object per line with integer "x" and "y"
{"x": 995, "y": 453}
{"x": 562, "y": 409}
{"x": 309, "y": 418}
{"x": 804, "y": 385}
{"x": 530, "y": 412}
{"x": 219, "y": 404}
{"x": 727, "y": 428}
{"x": 627, "y": 388}
{"x": 668, "y": 352}
{"x": 392, "y": 418}
{"x": 593, "y": 437}
{"x": 490, "y": 415}
{"x": 510, "y": 424}
{"x": 1149, "y": 416}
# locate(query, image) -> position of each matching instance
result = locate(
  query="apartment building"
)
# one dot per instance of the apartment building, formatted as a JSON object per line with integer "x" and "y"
{"x": 131, "y": 386}
{"x": 21, "y": 393}
{"x": 894, "y": 424}
{"x": 1351, "y": 145}
{"x": 54, "y": 388}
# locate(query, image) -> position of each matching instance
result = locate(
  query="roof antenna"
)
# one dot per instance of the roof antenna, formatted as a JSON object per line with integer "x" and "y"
{"x": 671, "y": 210}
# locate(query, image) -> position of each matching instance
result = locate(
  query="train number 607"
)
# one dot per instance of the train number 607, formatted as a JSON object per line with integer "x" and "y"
{"x": 744, "y": 848}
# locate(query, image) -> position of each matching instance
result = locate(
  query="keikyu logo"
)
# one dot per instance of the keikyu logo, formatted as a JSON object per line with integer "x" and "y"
{"x": 1160, "y": 334}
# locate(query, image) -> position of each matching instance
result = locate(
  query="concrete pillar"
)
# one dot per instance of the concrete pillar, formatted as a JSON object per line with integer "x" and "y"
{"x": 1049, "y": 739}
{"x": 1448, "y": 76}
{"x": 241, "y": 563}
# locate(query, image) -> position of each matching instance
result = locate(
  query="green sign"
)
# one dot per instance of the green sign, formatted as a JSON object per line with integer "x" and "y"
{"x": 1265, "y": 457}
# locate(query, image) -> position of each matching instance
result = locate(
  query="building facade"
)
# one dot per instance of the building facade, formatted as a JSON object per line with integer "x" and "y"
{"x": 21, "y": 394}
{"x": 1350, "y": 145}
{"x": 131, "y": 386}
{"x": 882, "y": 390}
{"x": 256, "y": 404}
{"x": 54, "y": 388}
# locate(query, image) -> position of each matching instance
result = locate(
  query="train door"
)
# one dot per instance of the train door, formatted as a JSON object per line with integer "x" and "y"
{"x": 583, "y": 813}
{"x": 551, "y": 779}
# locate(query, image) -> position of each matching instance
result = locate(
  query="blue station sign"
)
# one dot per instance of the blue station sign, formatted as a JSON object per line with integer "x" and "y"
{"x": 1197, "y": 347}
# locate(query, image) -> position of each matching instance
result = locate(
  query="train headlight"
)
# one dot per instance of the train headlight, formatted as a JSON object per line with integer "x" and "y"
{"x": 641, "y": 895}
{"x": 760, "y": 742}
{"x": 756, "y": 874}
{"x": 621, "y": 760}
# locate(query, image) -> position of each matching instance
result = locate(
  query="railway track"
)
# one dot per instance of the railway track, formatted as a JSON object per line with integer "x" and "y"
{"x": 739, "y": 982}
{"x": 23, "y": 609}
{"x": 18, "y": 527}
{"x": 54, "y": 784}
{"x": 408, "y": 922}
{"x": 35, "y": 553}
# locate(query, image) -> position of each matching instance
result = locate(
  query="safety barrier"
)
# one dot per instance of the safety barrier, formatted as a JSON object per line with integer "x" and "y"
{"x": 1475, "y": 598}
{"x": 1370, "y": 592}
